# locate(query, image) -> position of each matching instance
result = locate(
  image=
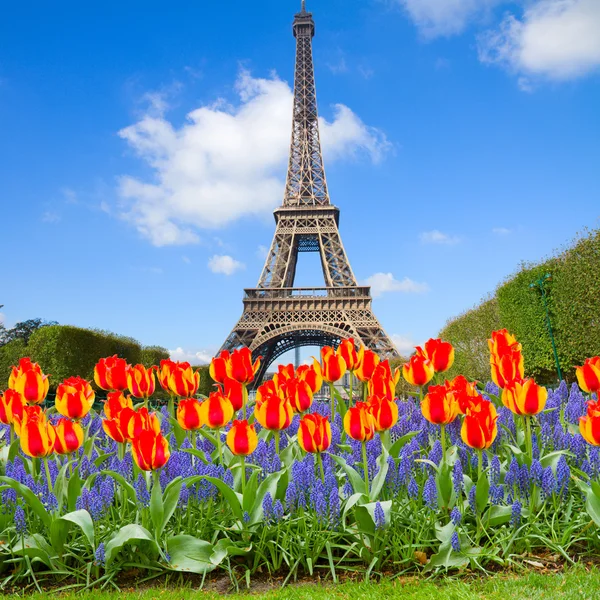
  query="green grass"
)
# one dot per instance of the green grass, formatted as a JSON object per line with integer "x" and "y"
{"x": 575, "y": 583}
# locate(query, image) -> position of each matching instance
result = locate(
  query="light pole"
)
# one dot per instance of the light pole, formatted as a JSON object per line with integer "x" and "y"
{"x": 540, "y": 284}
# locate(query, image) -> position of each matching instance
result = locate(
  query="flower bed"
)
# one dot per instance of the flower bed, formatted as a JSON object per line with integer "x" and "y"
{"x": 460, "y": 475}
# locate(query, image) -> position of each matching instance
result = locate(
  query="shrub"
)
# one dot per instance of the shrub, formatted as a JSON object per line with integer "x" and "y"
{"x": 152, "y": 355}
{"x": 9, "y": 355}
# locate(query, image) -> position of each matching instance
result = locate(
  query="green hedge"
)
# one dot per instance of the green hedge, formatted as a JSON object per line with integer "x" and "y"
{"x": 573, "y": 296}
{"x": 469, "y": 334}
{"x": 9, "y": 355}
{"x": 152, "y": 355}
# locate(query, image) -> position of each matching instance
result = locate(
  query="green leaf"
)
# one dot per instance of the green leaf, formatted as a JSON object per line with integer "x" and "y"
{"x": 83, "y": 520}
{"x": 199, "y": 453}
{"x": 356, "y": 480}
{"x": 170, "y": 500}
{"x": 550, "y": 460}
{"x": 127, "y": 535}
{"x": 379, "y": 479}
{"x": 250, "y": 492}
{"x": 157, "y": 509}
{"x": 32, "y": 500}
{"x": 400, "y": 443}
{"x": 36, "y": 548}
{"x": 482, "y": 492}
{"x": 497, "y": 515}
{"x": 444, "y": 485}
{"x": 232, "y": 498}
{"x": 191, "y": 555}
{"x": 268, "y": 485}
{"x": 444, "y": 532}
{"x": 365, "y": 515}
{"x": 592, "y": 505}
{"x": 129, "y": 489}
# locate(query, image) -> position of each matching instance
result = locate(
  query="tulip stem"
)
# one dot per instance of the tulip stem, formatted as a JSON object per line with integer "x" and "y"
{"x": 276, "y": 434}
{"x": 244, "y": 399}
{"x": 479, "y": 464}
{"x": 243, "y": 463}
{"x": 443, "y": 436}
{"x": 528, "y": 439}
{"x": 321, "y": 466}
{"x": 332, "y": 394}
{"x": 351, "y": 394}
{"x": 365, "y": 467}
{"x": 219, "y": 446}
{"x": 48, "y": 478}
{"x": 364, "y": 391}
{"x": 12, "y": 433}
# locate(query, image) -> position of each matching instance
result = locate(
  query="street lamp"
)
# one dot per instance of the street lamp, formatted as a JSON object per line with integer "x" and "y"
{"x": 540, "y": 284}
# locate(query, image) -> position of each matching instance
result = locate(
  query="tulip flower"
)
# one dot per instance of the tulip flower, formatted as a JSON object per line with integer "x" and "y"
{"x": 132, "y": 422}
{"x": 36, "y": 435}
{"x": 241, "y": 438}
{"x": 150, "y": 450}
{"x": 465, "y": 392}
{"x": 347, "y": 350}
{"x": 418, "y": 370}
{"x": 440, "y": 407}
{"x": 11, "y": 407}
{"x": 384, "y": 411}
{"x": 183, "y": 381}
{"x": 507, "y": 367}
{"x": 188, "y": 414}
{"x": 242, "y": 441}
{"x": 25, "y": 364}
{"x": 69, "y": 436}
{"x": 479, "y": 428}
{"x": 367, "y": 361}
{"x": 74, "y": 398}
{"x": 589, "y": 425}
{"x": 235, "y": 392}
{"x": 312, "y": 375}
{"x": 284, "y": 373}
{"x": 112, "y": 428}
{"x": 115, "y": 403}
{"x": 29, "y": 381}
{"x": 502, "y": 341}
{"x": 314, "y": 433}
{"x": 267, "y": 388}
{"x": 359, "y": 424}
{"x": 383, "y": 382}
{"x": 274, "y": 413}
{"x": 298, "y": 393}
{"x": 141, "y": 381}
{"x": 524, "y": 397}
{"x": 588, "y": 375}
{"x": 164, "y": 371}
{"x": 218, "y": 367}
{"x": 333, "y": 368}
{"x": 240, "y": 366}
{"x": 111, "y": 373}
{"x": 441, "y": 354}
{"x": 216, "y": 411}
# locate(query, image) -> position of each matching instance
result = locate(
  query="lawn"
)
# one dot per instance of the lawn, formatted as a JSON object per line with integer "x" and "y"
{"x": 578, "y": 582}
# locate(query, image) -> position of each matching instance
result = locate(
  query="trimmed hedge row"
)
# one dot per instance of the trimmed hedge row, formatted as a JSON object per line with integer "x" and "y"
{"x": 573, "y": 297}
{"x": 64, "y": 351}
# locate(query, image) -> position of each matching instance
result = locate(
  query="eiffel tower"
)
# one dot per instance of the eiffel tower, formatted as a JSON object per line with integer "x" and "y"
{"x": 278, "y": 316}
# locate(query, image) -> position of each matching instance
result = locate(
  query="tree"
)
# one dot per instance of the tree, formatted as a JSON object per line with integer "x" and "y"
{"x": 23, "y": 330}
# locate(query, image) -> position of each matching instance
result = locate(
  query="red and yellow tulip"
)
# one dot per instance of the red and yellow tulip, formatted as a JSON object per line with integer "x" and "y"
{"x": 29, "y": 381}
{"x": 439, "y": 406}
{"x": 218, "y": 366}
{"x": 182, "y": 381}
{"x": 333, "y": 366}
{"x": 314, "y": 433}
{"x": 234, "y": 390}
{"x": 465, "y": 391}
{"x": 111, "y": 373}
{"x": 115, "y": 403}
{"x": 312, "y": 375}
{"x": 384, "y": 411}
{"x": 367, "y": 361}
{"x": 359, "y": 423}
{"x": 383, "y": 382}
{"x": 524, "y": 397}
{"x": 588, "y": 375}
{"x": 240, "y": 366}
{"x": 188, "y": 414}
{"x": 141, "y": 381}
{"x": 74, "y": 398}
{"x": 589, "y": 425}
{"x": 36, "y": 435}
{"x": 418, "y": 370}
{"x": 298, "y": 393}
{"x": 216, "y": 411}
{"x": 150, "y": 450}
{"x": 479, "y": 428}
{"x": 11, "y": 407}
{"x": 441, "y": 354}
{"x": 241, "y": 438}
{"x": 69, "y": 436}
{"x": 347, "y": 350}
{"x": 274, "y": 412}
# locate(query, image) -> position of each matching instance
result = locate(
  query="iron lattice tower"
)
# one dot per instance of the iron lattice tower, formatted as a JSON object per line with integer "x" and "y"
{"x": 278, "y": 316}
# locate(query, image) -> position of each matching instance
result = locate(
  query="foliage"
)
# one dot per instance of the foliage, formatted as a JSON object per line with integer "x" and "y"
{"x": 573, "y": 298}
{"x": 63, "y": 350}
{"x": 9, "y": 355}
{"x": 206, "y": 383}
{"x": 22, "y": 330}
{"x": 468, "y": 333}
{"x": 152, "y": 355}
{"x": 403, "y": 388}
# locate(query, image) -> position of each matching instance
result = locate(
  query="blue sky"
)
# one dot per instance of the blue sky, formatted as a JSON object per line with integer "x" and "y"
{"x": 143, "y": 151}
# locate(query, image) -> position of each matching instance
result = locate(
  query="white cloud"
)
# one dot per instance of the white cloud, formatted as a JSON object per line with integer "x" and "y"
{"x": 385, "y": 282}
{"x": 555, "y": 39}
{"x": 224, "y": 264}
{"x": 501, "y": 230}
{"x": 201, "y": 357}
{"x": 225, "y": 162}
{"x": 437, "y": 237}
{"x": 445, "y": 17}
{"x": 50, "y": 217}
{"x": 262, "y": 252}
{"x": 405, "y": 344}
